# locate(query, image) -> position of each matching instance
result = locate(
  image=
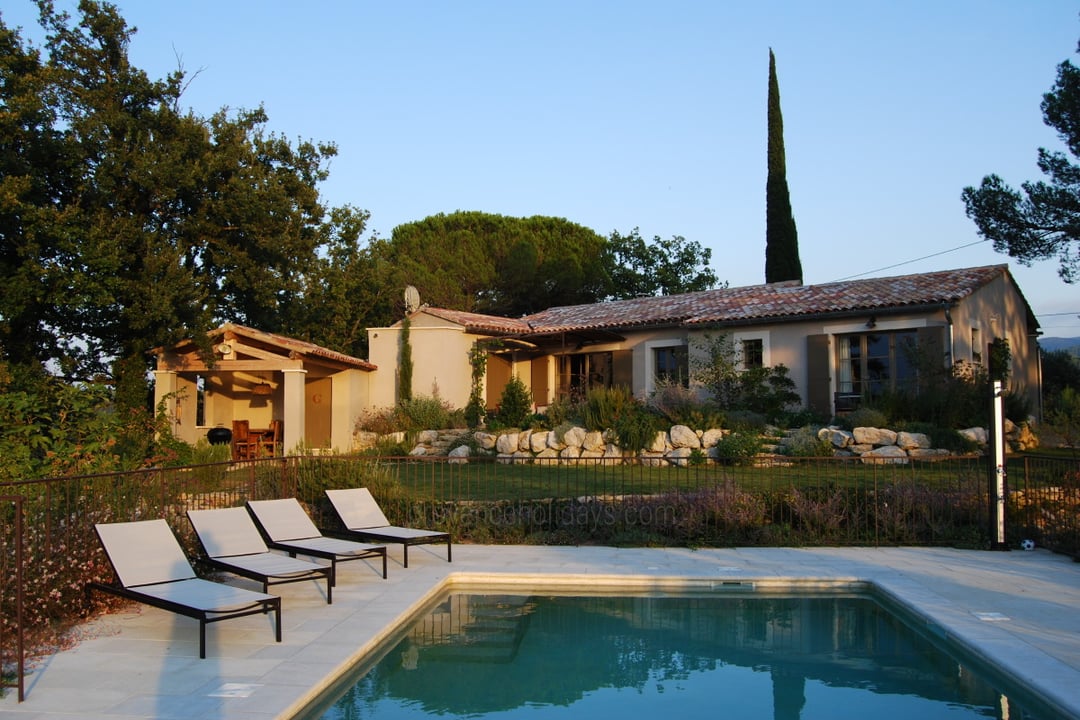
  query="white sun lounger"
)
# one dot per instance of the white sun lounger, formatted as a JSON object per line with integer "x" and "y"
{"x": 362, "y": 517}
{"x": 231, "y": 542}
{"x": 151, "y": 568}
{"x": 287, "y": 527}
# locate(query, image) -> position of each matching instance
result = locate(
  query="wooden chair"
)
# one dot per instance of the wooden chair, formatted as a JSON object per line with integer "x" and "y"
{"x": 271, "y": 440}
{"x": 243, "y": 445}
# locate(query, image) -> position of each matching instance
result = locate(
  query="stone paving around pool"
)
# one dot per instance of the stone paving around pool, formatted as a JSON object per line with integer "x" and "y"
{"x": 1020, "y": 611}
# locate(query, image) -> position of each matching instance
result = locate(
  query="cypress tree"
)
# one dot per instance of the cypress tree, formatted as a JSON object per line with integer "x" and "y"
{"x": 781, "y": 239}
{"x": 405, "y": 363}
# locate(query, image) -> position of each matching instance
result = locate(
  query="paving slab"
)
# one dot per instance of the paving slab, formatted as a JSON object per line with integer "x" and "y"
{"x": 1018, "y": 611}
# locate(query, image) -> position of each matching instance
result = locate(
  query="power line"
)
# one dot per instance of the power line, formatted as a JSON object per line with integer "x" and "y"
{"x": 908, "y": 262}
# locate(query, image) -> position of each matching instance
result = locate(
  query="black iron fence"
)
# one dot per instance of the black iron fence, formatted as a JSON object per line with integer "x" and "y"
{"x": 776, "y": 501}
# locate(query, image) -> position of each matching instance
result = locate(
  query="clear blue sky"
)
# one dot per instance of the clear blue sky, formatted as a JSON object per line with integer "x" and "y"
{"x": 625, "y": 114}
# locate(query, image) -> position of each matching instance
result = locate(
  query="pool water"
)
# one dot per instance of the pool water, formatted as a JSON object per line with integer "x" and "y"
{"x": 743, "y": 656}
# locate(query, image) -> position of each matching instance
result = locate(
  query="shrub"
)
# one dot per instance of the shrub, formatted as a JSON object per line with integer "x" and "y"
{"x": 682, "y": 406}
{"x": 515, "y": 405}
{"x": 635, "y": 430}
{"x": 804, "y": 442}
{"x": 738, "y": 447}
{"x": 746, "y": 421}
{"x": 864, "y": 417}
{"x": 603, "y": 407}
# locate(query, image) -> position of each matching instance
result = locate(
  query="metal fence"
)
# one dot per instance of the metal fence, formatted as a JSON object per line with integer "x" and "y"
{"x": 49, "y": 548}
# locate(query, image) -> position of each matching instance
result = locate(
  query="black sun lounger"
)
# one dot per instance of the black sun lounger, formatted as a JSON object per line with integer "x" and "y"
{"x": 362, "y": 517}
{"x": 151, "y": 568}
{"x": 231, "y": 542}
{"x": 287, "y": 527}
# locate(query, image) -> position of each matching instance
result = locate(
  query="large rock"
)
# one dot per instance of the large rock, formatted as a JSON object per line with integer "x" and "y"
{"x": 427, "y": 437}
{"x": 683, "y": 437}
{"x": 569, "y": 455}
{"x": 459, "y": 455}
{"x": 538, "y": 441}
{"x": 874, "y": 436}
{"x": 660, "y": 443}
{"x": 364, "y": 440}
{"x": 507, "y": 444}
{"x": 710, "y": 437}
{"x": 574, "y": 437}
{"x": 976, "y": 434}
{"x": 593, "y": 441}
{"x": 525, "y": 440}
{"x": 680, "y": 456}
{"x": 1023, "y": 439}
{"x": 485, "y": 440}
{"x": 547, "y": 455}
{"x": 910, "y": 441}
{"x": 837, "y": 437}
{"x": 886, "y": 454}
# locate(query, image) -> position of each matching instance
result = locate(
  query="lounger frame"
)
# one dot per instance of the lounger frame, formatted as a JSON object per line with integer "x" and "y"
{"x": 231, "y": 542}
{"x": 286, "y": 526}
{"x": 175, "y": 576}
{"x": 362, "y": 518}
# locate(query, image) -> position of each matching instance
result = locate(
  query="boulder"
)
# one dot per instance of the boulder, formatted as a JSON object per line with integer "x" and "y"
{"x": 574, "y": 437}
{"x": 886, "y": 454}
{"x": 539, "y": 440}
{"x": 910, "y": 441}
{"x": 710, "y": 437}
{"x": 839, "y": 438}
{"x": 507, "y": 444}
{"x": 364, "y": 440}
{"x": 459, "y": 455}
{"x": 680, "y": 456}
{"x": 593, "y": 441}
{"x": 976, "y": 434}
{"x": 485, "y": 440}
{"x": 427, "y": 437}
{"x": 683, "y": 437}
{"x": 874, "y": 436}
{"x": 660, "y": 443}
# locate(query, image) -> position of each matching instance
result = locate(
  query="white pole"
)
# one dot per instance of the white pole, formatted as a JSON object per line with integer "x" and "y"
{"x": 997, "y": 470}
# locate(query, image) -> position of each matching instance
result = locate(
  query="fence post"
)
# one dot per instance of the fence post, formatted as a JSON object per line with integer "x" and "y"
{"x": 20, "y": 619}
{"x": 998, "y": 496}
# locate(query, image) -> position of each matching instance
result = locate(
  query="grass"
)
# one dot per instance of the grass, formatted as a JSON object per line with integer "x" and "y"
{"x": 487, "y": 481}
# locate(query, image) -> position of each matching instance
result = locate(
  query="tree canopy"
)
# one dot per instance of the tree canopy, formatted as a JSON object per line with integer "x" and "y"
{"x": 126, "y": 223}
{"x": 480, "y": 262}
{"x": 1042, "y": 221}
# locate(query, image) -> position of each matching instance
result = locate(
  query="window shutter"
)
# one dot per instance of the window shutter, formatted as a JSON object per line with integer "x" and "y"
{"x": 818, "y": 375}
{"x": 622, "y": 368}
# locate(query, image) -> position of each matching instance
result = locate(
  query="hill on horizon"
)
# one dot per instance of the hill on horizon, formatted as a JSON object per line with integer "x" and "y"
{"x": 1070, "y": 345}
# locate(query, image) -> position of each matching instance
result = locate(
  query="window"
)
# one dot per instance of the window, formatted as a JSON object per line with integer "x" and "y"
{"x": 870, "y": 364}
{"x": 582, "y": 372}
{"x": 671, "y": 365}
{"x": 976, "y": 347}
{"x": 753, "y": 353}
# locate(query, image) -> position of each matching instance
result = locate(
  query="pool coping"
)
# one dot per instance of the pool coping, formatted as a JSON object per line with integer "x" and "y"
{"x": 143, "y": 662}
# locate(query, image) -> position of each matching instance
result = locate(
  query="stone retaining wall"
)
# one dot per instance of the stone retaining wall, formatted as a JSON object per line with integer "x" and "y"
{"x": 676, "y": 446}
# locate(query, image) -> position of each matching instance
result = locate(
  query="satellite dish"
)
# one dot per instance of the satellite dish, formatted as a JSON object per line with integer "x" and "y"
{"x": 412, "y": 298}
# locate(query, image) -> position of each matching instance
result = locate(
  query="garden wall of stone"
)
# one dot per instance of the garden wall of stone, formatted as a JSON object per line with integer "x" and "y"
{"x": 678, "y": 446}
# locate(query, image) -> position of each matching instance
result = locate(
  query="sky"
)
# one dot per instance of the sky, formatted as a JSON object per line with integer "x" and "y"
{"x": 652, "y": 115}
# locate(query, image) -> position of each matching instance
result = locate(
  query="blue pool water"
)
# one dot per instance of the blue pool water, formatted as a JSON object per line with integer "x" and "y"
{"x": 741, "y": 656}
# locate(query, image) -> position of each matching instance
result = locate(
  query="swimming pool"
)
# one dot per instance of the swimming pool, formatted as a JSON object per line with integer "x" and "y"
{"x": 740, "y": 655}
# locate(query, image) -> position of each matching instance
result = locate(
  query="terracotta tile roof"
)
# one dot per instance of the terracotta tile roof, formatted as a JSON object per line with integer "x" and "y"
{"x": 776, "y": 302}
{"x": 476, "y": 322}
{"x": 293, "y": 345}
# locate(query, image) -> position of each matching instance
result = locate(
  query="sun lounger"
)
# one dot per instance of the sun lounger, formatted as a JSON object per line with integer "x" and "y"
{"x": 362, "y": 517}
{"x": 231, "y": 542}
{"x": 287, "y": 527}
{"x": 151, "y": 568}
